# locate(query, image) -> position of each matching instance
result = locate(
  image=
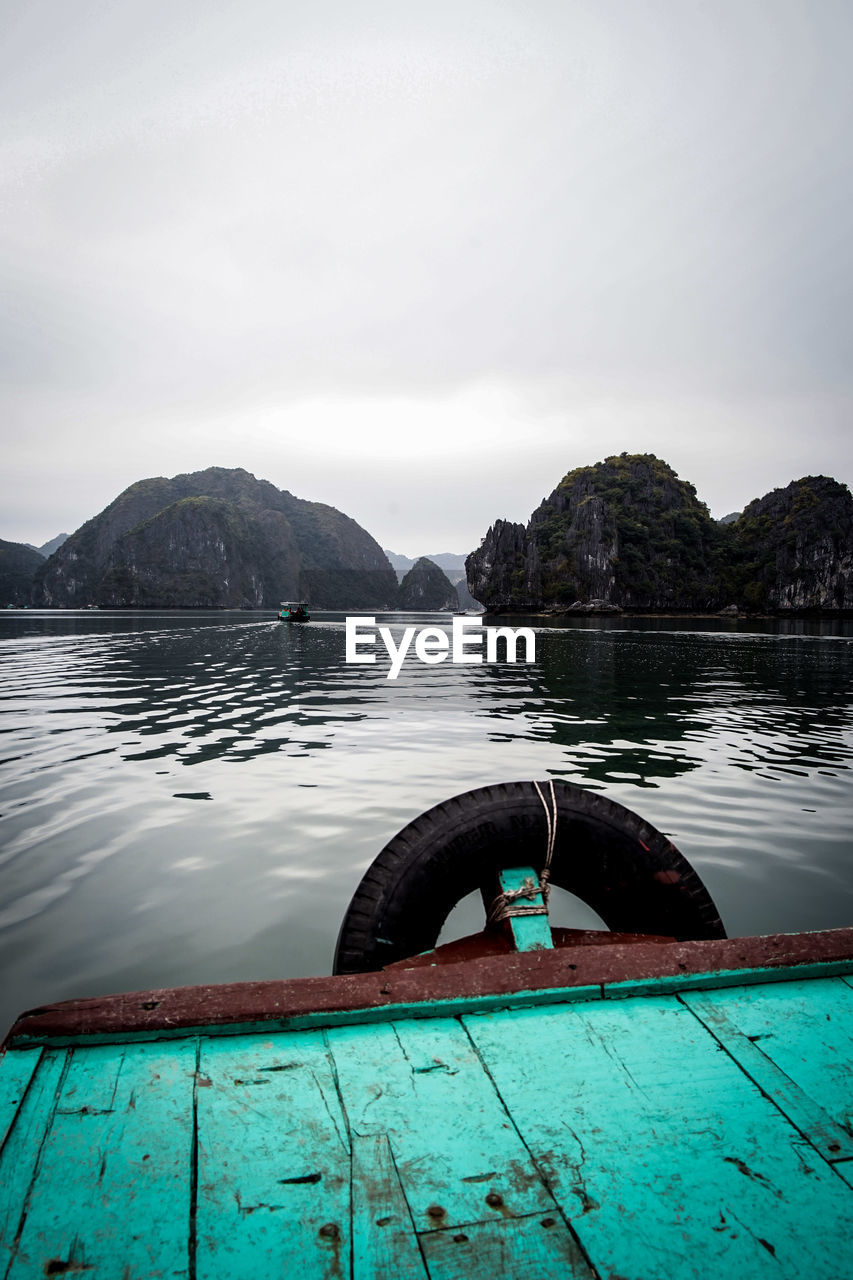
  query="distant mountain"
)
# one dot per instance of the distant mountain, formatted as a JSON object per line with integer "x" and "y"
{"x": 628, "y": 533}
{"x": 445, "y": 560}
{"x": 398, "y": 561}
{"x": 449, "y": 560}
{"x": 426, "y": 586}
{"x": 18, "y": 563}
{"x": 48, "y": 548}
{"x": 464, "y": 598}
{"x": 730, "y": 518}
{"x": 218, "y": 538}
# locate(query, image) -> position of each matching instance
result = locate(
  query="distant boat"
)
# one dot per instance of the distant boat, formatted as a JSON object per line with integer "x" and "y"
{"x": 293, "y": 611}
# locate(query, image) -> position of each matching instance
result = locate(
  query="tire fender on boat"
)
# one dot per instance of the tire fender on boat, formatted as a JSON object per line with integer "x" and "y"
{"x": 613, "y": 860}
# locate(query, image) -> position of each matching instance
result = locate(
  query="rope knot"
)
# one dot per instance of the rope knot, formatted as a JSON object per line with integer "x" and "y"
{"x": 508, "y": 904}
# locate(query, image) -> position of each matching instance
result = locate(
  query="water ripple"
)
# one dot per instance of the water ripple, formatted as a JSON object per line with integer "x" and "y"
{"x": 121, "y": 869}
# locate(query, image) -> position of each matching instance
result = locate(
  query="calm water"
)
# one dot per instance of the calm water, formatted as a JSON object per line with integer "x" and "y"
{"x": 193, "y": 797}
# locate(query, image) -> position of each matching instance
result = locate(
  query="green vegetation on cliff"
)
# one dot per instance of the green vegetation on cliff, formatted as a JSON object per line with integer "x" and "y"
{"x": 18, "y": 563}
{"x": 216, "y": 539}
{"x": 792, "y": 549}
{"x": 426, "y": 586}
{"x": 627, "y": 532}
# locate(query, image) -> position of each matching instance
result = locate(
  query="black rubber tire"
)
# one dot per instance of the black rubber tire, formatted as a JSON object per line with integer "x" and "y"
{"x": 606, "y": 855}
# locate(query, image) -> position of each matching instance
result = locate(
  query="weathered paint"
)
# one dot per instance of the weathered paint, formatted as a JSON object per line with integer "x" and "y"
{"x": 660, "y": 1149}
{"x": 529, "y": 933}
{"x": 384, "y": 1239}
{"x": 778, "y": 1036}
{"x": 521, "y": 1248}
{"x": 22, "y": 1148}
{"x": 14, "y": 1081}
{"x": 685, "y": 1134}
{"x": 95, "y": 1202}
{"x": 537, "y": 977}
{"x": 273, "y": 1171}
{"x": 454, "y": 1145}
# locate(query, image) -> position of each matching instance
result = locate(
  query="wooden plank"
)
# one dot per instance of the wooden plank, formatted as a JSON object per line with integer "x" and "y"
{"x": 795, "y": 1039}
{"x": 844, "y": 1169}
{"x": 517, "y": 1248}
{"x": 457, "y": 1153}
{"x": 383, "y": 1234}
{"x": 273, "y": 1161}
{"x": 111, "y": 1196}
{"x": 22, "y": 1151}
{"x": 664, "y": 1156}
{"x": 530, "y": 933}
{"x": 478, "y": 946}
{"x": 401, "y": 992}
{"x": 92, "y": 1079}
{"x": 16, "y": 1070}
{"x": 657, "y": 1146}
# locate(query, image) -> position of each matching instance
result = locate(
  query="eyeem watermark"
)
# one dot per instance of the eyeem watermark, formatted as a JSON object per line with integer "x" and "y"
{"x": 435, "y": 644}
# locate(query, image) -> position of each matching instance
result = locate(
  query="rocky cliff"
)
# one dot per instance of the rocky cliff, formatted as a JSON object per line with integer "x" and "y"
{"x": 793, "y": 549}
{"x": 426, "y": 586}
{"x": 218, "y": 538}
{"x": 463, "y": 596}
{"x": 18, "y": 563}
{"x": 628, "y": 533}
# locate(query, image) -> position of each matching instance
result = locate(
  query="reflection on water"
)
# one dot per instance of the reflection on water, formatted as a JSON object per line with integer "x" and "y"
{"x": 121, "y": 869}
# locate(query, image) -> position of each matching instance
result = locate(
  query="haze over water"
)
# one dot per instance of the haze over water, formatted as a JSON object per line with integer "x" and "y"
{"x": 192, "y": 798}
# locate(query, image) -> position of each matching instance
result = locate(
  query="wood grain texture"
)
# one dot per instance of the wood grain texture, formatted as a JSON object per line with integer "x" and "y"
{"x": 273, "y": 1161}
{"x": 22, "y": 1150}
{"x": 521, "y": 1249}
{"x": 664, "y": 1137}
{"x": 795, "y": 1040}
{"x": 16, "y": 1071}
{"x": 92, "y": 1080}
{"x": 454, "y": 1146}
{"x": 660, "y": 1150}
{"x": 384, "y": 1239}
{"x": 529, "y": 933}
{"x": 105, "y": 1177}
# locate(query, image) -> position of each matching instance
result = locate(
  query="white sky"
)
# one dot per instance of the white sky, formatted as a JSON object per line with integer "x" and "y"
{"x": 419, "y": 258}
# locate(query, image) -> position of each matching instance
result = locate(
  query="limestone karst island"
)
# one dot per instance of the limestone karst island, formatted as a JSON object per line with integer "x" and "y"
{"x": 626, "y": 533}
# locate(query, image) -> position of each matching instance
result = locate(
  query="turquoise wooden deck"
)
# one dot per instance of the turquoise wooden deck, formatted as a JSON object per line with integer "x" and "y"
{"x": 659, "y": 1126}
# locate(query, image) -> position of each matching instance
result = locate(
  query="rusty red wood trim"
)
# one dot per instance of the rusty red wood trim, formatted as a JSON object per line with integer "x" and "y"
{"x": 171, "y": 1010}
{"x": 498, "y": 942}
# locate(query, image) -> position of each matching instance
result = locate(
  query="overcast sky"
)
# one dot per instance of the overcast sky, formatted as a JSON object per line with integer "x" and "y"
{"x": 419, "y": 258}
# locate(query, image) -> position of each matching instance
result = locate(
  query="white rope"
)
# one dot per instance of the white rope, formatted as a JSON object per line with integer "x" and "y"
{"x": 552, "y": 837}
{"x": 507, "y": 904}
